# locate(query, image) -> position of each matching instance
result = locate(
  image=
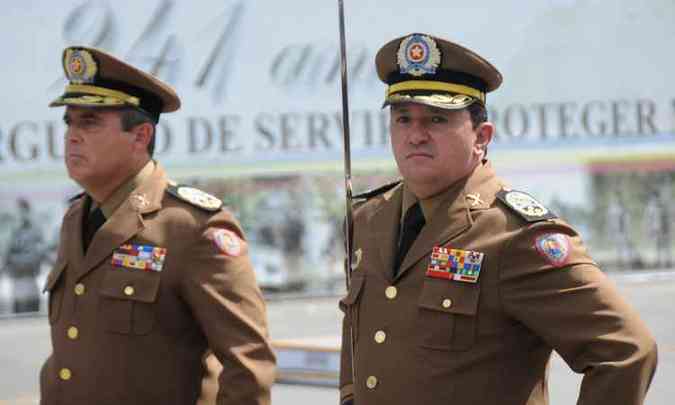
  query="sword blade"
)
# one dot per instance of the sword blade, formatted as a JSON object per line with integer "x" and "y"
{"x": 346, "y": 143}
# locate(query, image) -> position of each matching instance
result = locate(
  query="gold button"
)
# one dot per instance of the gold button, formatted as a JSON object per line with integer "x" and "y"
{"x": 447, "y": 303}
{"x": 79, "y": 289}
{"x": 129, "y": 290}
{"x": 380, "y": 336}
{"x": 65, "y": 374}
{"x": 371, "y": 382}
{"x": 73, "y": 332}
{"x": 391, "y": 292}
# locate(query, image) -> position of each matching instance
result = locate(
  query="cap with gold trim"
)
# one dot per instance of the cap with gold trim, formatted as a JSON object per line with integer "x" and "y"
{"x": 423, "y": 69}
{"x": 99, "y": 79}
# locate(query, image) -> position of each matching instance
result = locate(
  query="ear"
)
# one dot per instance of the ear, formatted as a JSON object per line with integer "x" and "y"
{"x": 143, "y": 134}
{"x": 484, "y": 134}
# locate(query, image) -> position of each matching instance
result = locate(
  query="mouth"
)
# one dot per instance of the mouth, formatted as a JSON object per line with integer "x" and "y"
{"x": 415, "y": 155}
{"x": 75, "y": 157}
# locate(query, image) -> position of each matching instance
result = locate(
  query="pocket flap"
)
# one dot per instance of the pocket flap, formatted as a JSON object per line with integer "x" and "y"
{"x": 450, "y": 296}
{"x": 55, "y": 275}
{"x": 354, "y": 290}
{"x": 133, "y": 285}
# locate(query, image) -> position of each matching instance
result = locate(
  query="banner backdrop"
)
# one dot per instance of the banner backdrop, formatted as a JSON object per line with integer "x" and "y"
{"x": 586, "y": 112}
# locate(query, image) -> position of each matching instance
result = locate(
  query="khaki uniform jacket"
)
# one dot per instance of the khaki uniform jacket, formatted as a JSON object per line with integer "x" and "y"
{"x": 126, "y": 336}
{"x": 424, "y": 340}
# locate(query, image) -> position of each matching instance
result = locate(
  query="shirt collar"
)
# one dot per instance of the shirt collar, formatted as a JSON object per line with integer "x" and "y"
{"x": 120, "y": 195}
{"x": 428, "y": 205}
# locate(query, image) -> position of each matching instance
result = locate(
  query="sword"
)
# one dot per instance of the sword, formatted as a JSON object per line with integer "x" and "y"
{"x": 348, "y": 172}
{"x": 346, "y": 144}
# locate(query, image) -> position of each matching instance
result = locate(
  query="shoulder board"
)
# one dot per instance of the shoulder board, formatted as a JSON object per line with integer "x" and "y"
{"x": 194, "y": 196}
{"x": 525, "y": 205}
{"x": 376, "y": 191}
{"x": 76, "y": 197}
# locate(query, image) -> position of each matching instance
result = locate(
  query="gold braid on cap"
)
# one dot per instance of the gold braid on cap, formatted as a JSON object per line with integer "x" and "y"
{"x": 100, "y": 91}
{"x": 411, "y": 85}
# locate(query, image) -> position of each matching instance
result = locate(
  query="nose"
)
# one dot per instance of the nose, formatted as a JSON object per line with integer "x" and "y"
{"x": 72, "y": 135}
{"x": 419, "y": 132}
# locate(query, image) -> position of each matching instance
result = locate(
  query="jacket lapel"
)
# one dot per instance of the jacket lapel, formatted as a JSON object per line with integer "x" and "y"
{"x": 71, "y": 244}
{"x": 126, "y": 221}
{"x": 451, "y": 219}
{"x": 476, "y": 192}
{"x": 384, "y": 224}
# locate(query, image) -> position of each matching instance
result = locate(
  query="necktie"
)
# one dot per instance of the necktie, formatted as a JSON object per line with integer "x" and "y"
{"x": 95, "y": 220}
{"x": 412, "y": 225}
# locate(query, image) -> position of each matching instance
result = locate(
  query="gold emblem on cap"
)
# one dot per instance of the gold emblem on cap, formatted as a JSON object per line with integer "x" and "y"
{"x": 418, "y": 55}
{"x": 80, "y": 66}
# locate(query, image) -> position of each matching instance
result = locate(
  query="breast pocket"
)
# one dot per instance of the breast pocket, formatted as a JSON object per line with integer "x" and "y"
{"x": 54, "y": 286}
{"x": 128, "y": 298}
{"x": 350, "y": 303}
{"x": 447, "y": 315}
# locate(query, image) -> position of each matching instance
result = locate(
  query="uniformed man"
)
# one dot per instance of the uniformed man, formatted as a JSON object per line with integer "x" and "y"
{"x": 150, "y": 275}
{"x": 461, "y": 288}
{"x": 25, "y": 255}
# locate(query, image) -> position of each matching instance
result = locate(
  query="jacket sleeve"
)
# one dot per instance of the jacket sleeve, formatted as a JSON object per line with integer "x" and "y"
{"x": 346, "y": 384}
{"x": 550, "y": 284}
{"x": 226, "y": 302}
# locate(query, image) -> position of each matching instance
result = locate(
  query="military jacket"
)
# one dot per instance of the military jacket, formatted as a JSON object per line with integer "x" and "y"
{"x": 423, "y": 339}
{"x": 123, "y": 335}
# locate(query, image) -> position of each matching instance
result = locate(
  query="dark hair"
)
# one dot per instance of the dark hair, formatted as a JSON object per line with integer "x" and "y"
{"x": 131, "y": 117}
{"x": 478, "y": 114}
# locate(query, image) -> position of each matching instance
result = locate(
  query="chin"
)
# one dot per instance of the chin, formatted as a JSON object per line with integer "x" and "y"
{"x": 76, "y": 174}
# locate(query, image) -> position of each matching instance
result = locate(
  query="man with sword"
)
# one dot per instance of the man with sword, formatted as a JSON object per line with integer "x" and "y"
{"x": 460, "y": 287}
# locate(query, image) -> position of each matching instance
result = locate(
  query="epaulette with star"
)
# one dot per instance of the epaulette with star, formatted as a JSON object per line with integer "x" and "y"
{"x": 376, "y": 191}
{"x": 196, "y": 197}
{"x": 525, "y": 205}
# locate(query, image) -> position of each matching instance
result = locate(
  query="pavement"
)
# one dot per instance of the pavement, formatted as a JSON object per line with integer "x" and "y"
{"x": 25, "y": 343}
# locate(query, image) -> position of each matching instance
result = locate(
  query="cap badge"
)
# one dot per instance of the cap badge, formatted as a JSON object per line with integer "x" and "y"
{"x": 418, "y": 55}
{"x": 80, "y": 66}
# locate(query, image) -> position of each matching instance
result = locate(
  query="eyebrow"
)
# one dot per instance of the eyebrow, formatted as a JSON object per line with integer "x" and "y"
{"x": 429, "y": 109}
{"x": 399, "y": 109}
{"x": 85, "y": 115}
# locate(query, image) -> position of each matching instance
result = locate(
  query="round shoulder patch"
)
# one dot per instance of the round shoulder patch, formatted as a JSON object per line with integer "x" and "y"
{"x": 555, "y": 247}
{"x": 228, "y": 242}
{"x": 199, "y": 198}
